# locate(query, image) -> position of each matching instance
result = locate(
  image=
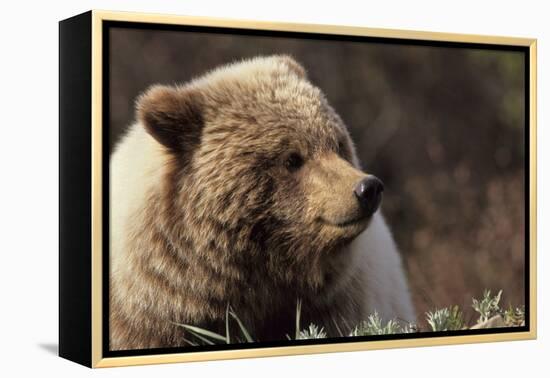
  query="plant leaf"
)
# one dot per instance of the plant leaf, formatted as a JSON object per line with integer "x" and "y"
{"x": 298, "y": 313}
{"x": 202, "y": 338}
{"x": 201, "y": 331}
{"x": 190, "y": 342}
{"x": 242, "y": 327}
{"x": 227, "y": 336}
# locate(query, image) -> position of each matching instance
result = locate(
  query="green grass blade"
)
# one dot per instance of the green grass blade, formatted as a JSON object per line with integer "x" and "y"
{"x": 298, "y": 313}
{"x": 242, "y": 327}
{"x": 337, "y": 328}
{"x": 202, "y": 338}
{"x": 190, "y": 342}
{"x": 227, "y": 336}
{"x": 203, "y": 332}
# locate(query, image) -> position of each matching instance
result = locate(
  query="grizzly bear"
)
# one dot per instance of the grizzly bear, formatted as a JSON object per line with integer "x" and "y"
{"x": 242, "y": 188}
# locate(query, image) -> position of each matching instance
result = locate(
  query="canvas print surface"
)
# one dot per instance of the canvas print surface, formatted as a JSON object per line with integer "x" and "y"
{"x": 271, "y": 189}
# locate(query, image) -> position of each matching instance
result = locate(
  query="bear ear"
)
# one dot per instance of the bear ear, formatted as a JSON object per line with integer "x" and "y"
{"x": 172, "y": 115}
{"x": 292, "y": 65}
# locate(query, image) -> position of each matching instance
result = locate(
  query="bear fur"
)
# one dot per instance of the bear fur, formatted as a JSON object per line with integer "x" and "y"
{"x": 237, "y": 189}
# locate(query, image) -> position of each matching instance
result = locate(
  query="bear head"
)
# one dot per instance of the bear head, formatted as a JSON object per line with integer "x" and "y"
{"x": 260, "y": 169}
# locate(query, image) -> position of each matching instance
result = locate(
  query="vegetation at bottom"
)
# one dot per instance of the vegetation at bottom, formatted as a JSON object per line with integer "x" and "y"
{"x": 488, "y": 308}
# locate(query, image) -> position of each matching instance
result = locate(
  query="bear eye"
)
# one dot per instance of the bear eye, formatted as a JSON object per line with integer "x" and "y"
{"x": 294, "y": 162}
{"x": 341, "y": 148}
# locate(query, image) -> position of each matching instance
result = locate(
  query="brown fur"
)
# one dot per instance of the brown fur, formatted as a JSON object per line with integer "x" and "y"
{"x": 229, "y": 222}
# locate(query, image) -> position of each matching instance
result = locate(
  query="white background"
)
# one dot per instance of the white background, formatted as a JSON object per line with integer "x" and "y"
{"x": 29, "y": 186}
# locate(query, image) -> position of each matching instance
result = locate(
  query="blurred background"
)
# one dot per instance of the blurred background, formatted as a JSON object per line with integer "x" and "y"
{"x": 442, "y": 127}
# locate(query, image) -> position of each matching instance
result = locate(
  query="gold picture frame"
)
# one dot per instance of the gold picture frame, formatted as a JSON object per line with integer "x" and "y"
{"x": 90, "y": 328}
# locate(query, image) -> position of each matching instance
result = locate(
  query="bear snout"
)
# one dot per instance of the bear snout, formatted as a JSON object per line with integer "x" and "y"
{"x": 369, "y": 193}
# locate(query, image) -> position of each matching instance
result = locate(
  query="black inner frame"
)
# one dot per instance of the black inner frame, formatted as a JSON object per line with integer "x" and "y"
{"x": 106, "y": 25}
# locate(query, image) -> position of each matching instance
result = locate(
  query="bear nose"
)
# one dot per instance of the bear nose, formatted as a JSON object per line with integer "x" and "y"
{"x": 369, "y": 193}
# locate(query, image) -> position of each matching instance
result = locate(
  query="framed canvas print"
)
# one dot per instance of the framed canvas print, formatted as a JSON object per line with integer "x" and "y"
{"x": 234, "y": 189}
